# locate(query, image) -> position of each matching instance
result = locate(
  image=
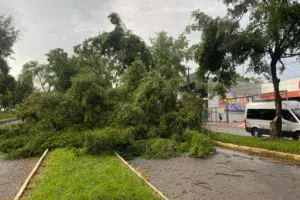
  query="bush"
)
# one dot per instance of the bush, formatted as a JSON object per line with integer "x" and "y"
{"x": 184, "y": 147}
{"x": 201, "y": 146}
{"x": 108, "y": 140}
{"x": 160, "y": 148}
{"x": 188, "y": 135}
{"x": 135, "y": 149}
{"x": 19, "y": 144}
{"x": 51, "y": 111}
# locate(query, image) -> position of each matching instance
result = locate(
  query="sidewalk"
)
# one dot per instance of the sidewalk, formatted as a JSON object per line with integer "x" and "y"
{"x": 230, "y": 124}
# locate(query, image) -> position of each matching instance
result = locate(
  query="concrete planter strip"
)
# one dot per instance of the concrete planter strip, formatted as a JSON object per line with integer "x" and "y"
{"x": 30, "y": 176}
{"x": 261, "y": 152}
{"x": 140, "y": 176}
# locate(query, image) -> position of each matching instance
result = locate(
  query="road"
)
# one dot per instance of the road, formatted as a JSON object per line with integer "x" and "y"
{"x": 12, "y": 175}
{"x": 10, "y": 122}
{"x": 228, "y": 129}
{"x": 227, "y": 175}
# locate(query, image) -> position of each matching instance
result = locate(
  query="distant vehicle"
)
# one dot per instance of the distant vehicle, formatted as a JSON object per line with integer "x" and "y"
{"x": 258, "y": 116}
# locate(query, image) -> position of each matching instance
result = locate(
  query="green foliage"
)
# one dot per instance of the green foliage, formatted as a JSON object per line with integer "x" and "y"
{"x": 160, "y": 148}
{"x": 119, "y": 45}
{"x": 89, "y": 89}
{"x": 169, "y": 53}
{"x": 136, "y": 148}
{"x": 271, "y": 35}
{"x": 188, "y": 135}
{"x": 77, "y": 94}
{"x": 281, "y": 145}
{"x": 107, "y": 140}
{"x": 60, "y": 69}
{"x": 87, "y": 177}
{"x": 201, "y": 146}
{"x": 51, "y": 111}
{"x": 20, "y": 142}
{"x": 6, "y": 115}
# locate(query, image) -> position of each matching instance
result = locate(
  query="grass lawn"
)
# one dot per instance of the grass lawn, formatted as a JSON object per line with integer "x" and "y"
{"x": 6, "y": 115}
{"x": 67, "y": 176}
{"x": 281, "y": 145}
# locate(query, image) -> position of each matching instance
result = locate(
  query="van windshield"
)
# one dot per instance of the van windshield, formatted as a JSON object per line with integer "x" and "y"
{"x": 297, "y": 112}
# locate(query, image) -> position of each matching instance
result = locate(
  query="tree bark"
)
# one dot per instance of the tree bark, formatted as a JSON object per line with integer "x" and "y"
{"x": 277, "y": 122}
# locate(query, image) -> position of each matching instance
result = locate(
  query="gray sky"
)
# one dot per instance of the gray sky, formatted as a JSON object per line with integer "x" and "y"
{"x": 49, "y": 24}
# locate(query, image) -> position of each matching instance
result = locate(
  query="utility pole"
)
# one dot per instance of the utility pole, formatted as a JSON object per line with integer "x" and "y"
{"x": 227, "y": 115}
{"x": 243, "y": 71}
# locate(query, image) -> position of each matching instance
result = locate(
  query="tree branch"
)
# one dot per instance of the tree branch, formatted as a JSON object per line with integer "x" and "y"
{"x": 287, "y": 55}
{"x": 41, "y": 82}
{"x": 266, "y": 2}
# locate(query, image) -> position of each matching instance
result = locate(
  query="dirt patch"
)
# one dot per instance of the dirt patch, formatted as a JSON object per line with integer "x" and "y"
{"x": 227, "y": 175}
{"x": 13, "y": 173}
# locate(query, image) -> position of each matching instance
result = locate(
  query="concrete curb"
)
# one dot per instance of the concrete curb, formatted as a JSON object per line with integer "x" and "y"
{"x": 30, "y": 176}
{"x": 8, "y": 120}
{"x": 260, "y": 152}
{"x": 139, "y": 175}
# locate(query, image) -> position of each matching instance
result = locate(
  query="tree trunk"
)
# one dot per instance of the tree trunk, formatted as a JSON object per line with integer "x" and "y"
{"x": 277, "y": 122}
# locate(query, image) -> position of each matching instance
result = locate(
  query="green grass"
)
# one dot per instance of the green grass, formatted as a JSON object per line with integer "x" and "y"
{"x": 6, "y": 115}
{"x": 68, "y": 176}
{"x": 281, "y": 145}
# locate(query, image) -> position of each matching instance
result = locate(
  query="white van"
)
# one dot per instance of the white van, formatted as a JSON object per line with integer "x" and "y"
{"x": 258, "y": 116}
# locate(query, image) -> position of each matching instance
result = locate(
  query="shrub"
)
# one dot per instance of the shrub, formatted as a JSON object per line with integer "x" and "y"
{"x": 184, "y": 147}
{"x": 160, "y": 148}
{"x": 168, "y": 125}
{"x": 188, "y": 135}
{"x": 201, "y": 146}
{"x": 107, "y": 140}
{"x": 51, "y": 111}
{"x": 17, "y": 144}
{"x": 135, "y": 149}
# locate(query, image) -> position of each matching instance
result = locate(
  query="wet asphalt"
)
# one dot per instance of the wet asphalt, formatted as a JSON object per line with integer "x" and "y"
{"x": 13, "y": 173}
{"x": 227, "y": 175}
{"x": 228, "y": 129}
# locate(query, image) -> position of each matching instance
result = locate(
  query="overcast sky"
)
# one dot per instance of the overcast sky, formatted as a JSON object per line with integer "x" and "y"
{"x": 49, "y": 24}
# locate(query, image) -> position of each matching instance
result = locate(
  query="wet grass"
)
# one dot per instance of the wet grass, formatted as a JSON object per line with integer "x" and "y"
{"x": 281, "y": 145}
{"x": 67, "y": 176}
{"x": 6, "y": 115}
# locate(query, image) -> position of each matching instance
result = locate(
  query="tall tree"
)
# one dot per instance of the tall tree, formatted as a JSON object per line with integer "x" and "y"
{"x": 40, "y": 75}
{"x": 272, "y": 35}
{"x": 119, "y": 45}
{"x": 169, "y": 54}
{"x": 24, "y": 86}
{"x": 8, "y": 36}
{"x": 60, "y": 69}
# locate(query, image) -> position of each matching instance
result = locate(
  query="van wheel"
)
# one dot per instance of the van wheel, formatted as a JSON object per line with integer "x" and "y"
{"x": 255, "y": 132}
{"x": 297, "y": 136}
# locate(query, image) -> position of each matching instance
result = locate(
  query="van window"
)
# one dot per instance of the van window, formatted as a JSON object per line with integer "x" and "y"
{"x": 288, "y": 116}
{"x": 268, "y": 114}
{"x": 253, "y": 114}
{"x": 263, "y": 114}
{"x": 296, "y": 112}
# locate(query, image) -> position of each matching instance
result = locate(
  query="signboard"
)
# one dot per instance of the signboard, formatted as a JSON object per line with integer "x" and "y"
{"x": 236, "y": 101}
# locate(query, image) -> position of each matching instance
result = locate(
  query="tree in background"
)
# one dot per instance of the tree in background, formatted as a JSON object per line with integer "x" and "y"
{"x": 273, "y": 34}
{"x": 169, "y": 54}
{"x": 8, "y": 36}
{"x": 40, "y": 74}
{"x": 120, "y": 46}
{"x": 60, "y": 69}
